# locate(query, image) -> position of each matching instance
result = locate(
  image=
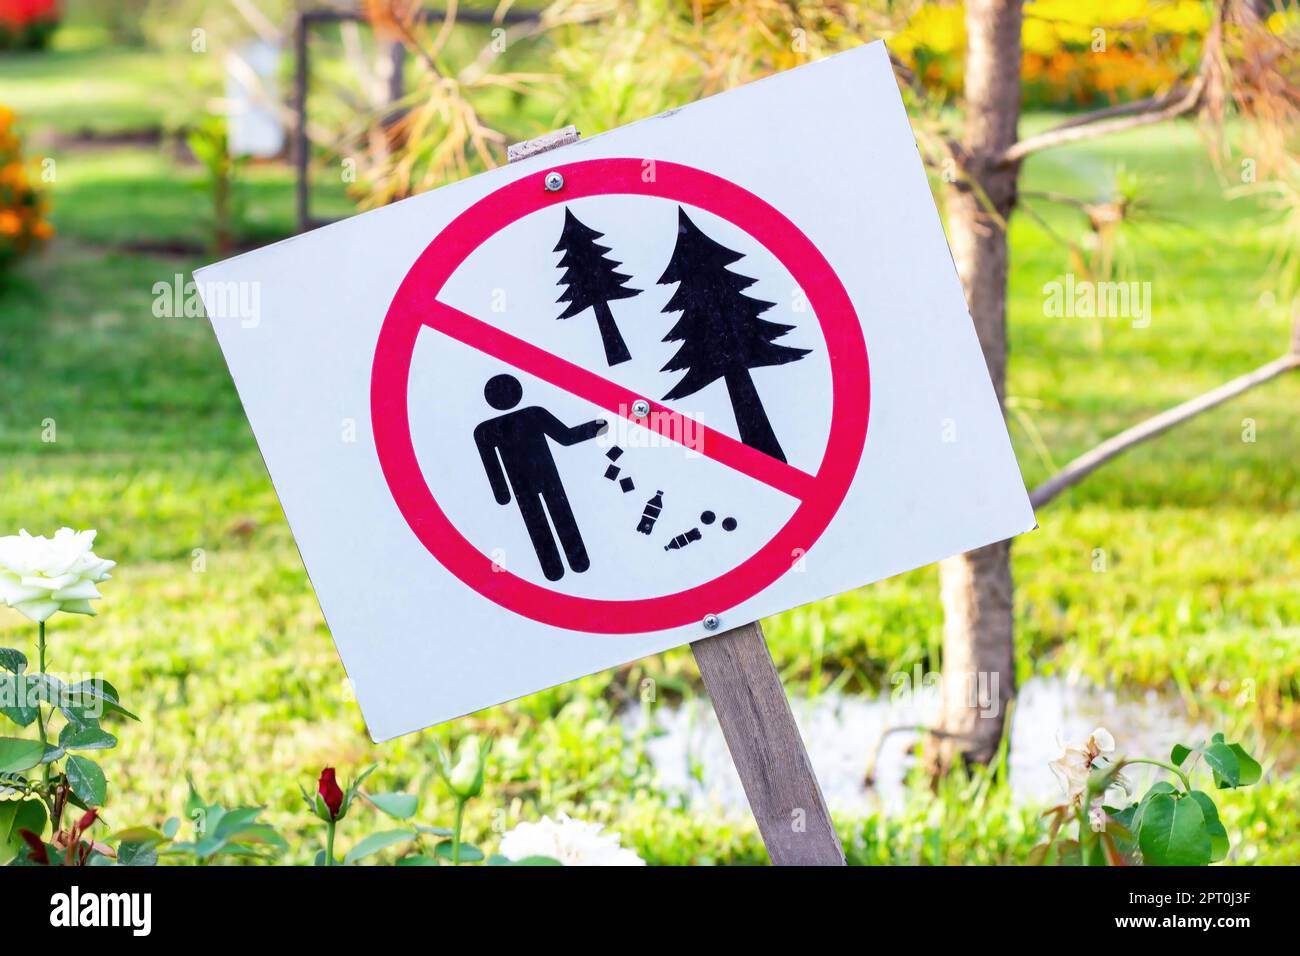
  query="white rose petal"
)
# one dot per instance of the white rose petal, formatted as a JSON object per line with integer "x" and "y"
{"x": 572, "y": 842}
{"x": 37, "y": 610}
{"x": 79, "y": 591}
{"x": 40, "y": 576}
{"x": 49, "y": 583}
{"x": 11, "y": 592}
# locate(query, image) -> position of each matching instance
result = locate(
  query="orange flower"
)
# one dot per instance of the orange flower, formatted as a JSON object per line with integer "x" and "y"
{"x": 10, "y": 222}
{"x": 12, "y": 174}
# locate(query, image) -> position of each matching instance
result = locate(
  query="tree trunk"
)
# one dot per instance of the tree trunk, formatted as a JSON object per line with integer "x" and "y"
{"x": 751, "y": 418}
{"x": 978, "y": 637}
{"x": 615, "y": 348}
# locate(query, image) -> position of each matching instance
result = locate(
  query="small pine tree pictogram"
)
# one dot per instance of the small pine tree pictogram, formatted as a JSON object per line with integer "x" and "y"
{"x": 720, "y": 330}
{"x": 592, "y": 283}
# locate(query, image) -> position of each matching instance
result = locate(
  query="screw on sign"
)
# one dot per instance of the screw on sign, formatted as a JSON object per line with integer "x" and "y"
{"x": 675, "y": 449}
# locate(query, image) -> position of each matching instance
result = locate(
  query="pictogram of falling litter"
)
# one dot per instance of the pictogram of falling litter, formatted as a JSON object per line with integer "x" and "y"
{"x": 680, "y": 541}
{"x": 613, "y": 471}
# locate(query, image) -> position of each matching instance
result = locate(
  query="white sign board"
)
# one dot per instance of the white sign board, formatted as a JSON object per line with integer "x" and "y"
{"x": 668, "y": 380}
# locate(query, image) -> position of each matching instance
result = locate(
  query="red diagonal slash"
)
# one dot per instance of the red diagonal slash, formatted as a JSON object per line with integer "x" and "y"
{"x": 575, "y": 379}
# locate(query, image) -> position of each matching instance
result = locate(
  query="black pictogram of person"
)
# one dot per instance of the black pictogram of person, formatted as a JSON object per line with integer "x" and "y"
{"x": 517, "y": 457}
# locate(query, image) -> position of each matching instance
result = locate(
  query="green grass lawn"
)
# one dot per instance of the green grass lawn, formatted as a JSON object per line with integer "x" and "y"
{"x": 212, "y": 633}
{"x": 105, "y": 91}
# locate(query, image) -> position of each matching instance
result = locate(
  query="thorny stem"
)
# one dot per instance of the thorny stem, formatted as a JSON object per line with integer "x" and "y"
{"x": 40, "y": 714}
{"x": 329, "y": 843}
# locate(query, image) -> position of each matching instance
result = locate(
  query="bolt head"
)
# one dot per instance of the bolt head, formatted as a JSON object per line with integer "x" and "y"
{"x": 554, "y": 182}
{"x": 711, "y": 622}
{"x": 640, "y": 408}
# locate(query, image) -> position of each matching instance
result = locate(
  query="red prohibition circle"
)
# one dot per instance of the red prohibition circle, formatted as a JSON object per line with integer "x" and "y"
{"x": 411, "y": 306}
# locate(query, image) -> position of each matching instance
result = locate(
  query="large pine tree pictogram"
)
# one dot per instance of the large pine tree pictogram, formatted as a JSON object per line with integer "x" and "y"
{"x": 720, "y": 330}
{"x": 592, "y": 283}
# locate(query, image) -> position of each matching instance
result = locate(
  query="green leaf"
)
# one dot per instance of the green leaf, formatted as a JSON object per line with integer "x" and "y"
{"x": 92, "y": 699}
{"x": 469, "y": 853}
{"x": 137, "y": 854}
{"x": 17, "y": 755}
{"x": 206, "y": 821}
{"x": 1250, "y": 768}
{"x": 52, "y": 852}
{"x": 18, "y": 815}
{"x": 377, "y": 842}
{"x": 349, "y": 793}
{"x": 12, "y": 660}
{"x": 419, "y": 860}
{"x": 193, "y": 801}
{"x": 11, "y": 783}
{"x": 262, "y": 835}
{"x": 87, "y": 780}
{"x": 433, "y": 831}
{"x": 19, "y": 698}
{"x": 399, "y": 806}
{"x": 85, "y": 736}
{"x": 1179, "y": 754}
{"x": 52, "y": 753}
{"x": 1123, "y": 817}
{"x": 1093, "y": 853}
{"x": 1173, "y": 832}
{"x": 49, "y": 688}
{"x": 1224, "y": 763}
{"x": 171, "y": 826}
{"x": 234, "y": 822}
{"x": 1134, "y": 822}
{"x": 1213, "y": 826}
{"x": 138, "y": 834}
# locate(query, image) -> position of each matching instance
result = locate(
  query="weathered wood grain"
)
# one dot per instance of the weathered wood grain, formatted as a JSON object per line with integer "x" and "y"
{"x": 549, "y": 141}
{"x": 765, "y": 746}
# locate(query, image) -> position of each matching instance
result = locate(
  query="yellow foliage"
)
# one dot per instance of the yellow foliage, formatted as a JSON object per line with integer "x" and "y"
{"x": 1074, "y": 50}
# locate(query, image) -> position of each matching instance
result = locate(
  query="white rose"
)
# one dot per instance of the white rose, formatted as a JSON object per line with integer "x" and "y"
{"x": 572, "y": 842}
{"x": 40, "y": 575}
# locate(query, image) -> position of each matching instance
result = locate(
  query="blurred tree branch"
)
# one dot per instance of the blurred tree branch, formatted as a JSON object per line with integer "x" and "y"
{"x": 1117, "y": 119}
{"x": 1112, "y": 447}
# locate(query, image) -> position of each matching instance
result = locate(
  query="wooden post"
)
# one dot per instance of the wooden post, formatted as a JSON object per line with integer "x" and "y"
{"x": 766, "y": 748}
{"x": 752, "y": 708}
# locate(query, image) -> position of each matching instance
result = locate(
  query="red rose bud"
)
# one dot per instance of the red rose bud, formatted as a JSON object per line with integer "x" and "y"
{"x": 329, "y": 791}
{"x": 39, "y": 854}
{"x": 87, "y": 820}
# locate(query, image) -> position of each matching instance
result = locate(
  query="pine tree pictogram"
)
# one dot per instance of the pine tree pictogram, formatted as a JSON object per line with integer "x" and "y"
{"x": 721, "y": 331}
{"x": 592, "y": 283}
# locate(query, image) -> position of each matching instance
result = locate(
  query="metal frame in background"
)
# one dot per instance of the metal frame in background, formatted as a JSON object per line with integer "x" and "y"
{"x": 397, "y": 52}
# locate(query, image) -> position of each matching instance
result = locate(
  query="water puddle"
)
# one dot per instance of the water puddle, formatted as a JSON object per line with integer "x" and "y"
{"x": 842, "y": 733}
